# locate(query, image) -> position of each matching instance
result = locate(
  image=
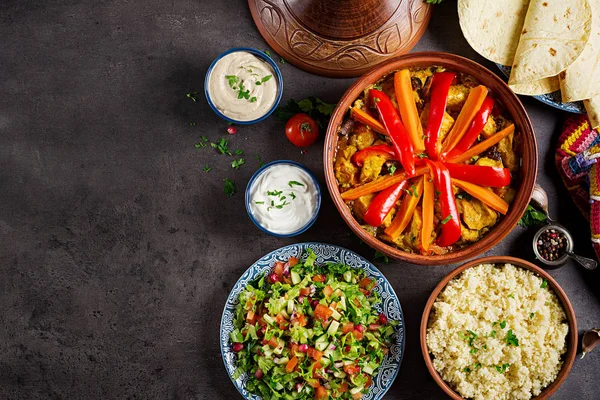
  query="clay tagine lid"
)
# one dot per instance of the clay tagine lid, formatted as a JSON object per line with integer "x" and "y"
{"x": 340, "y": 38}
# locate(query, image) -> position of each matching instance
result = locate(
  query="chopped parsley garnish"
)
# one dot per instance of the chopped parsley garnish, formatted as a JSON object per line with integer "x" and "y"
{"x": 422, "y": 155}
{"x": 292, "y": 183}
{"x": 232, "y": 80}
{"x": 281, "y": 60}
{"x": 511, "y": 296}
{"x": 392, "y": 168}
{"x": 493, "y": 333}
{"x": 267, "y": 52}
{"x": 274, "y": 192}
{"x": 229, "y": 189}
{"x": 243, "y": 94}
{"x": 531, "y": 315}
{"x": 235, "y": 164}
{"x": 260, "y": 162}
{"x": 445, "y": 220}
{"x": 192, "y": 95}
{"x": 252, "y": 99}
{"x": 532, "y": 217}
{"x": 503, "y": 324}
{"x": 202, "y": 143}
{"x": 222, "y": 146}
{"x": 377, "y": 87}
{"x": 467, "y": 370}
{"x": 259, "y": 202}
{"x": 207, "y": 168}
{"x": 292, "y": 195}
{"x": 511, "y": 339}
{"x": 239, "y": 152}
{"x": 502, "y": 368}
{"x": 192, "y": 124}
{"x": 263, "y": 80}
{"x": 544, "y": 284}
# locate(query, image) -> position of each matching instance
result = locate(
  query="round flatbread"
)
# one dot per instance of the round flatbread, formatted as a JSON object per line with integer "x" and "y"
{"x": 582, "y": 79}
{"x": 535, "y": 88}
{"x": 493, "y": 27}
{"x": 592, "y": 106}
{"x": 554, "y": 34}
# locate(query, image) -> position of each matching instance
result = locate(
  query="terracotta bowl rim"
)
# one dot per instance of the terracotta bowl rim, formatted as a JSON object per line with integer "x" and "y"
{"x": 509, "y": 99}
{"x": 572, "y": 336}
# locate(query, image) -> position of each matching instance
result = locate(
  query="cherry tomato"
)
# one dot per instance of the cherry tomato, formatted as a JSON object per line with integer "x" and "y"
{"x": 302, "y": 130}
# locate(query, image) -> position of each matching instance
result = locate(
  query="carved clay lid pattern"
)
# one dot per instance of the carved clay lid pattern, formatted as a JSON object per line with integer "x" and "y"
{"x": 340, "y": 38}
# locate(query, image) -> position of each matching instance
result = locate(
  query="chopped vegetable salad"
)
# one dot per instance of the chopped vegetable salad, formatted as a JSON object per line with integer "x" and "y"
{"x": 306, "y": 331}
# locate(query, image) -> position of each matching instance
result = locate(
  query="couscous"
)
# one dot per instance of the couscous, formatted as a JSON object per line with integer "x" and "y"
{"x": 497, "y": 332}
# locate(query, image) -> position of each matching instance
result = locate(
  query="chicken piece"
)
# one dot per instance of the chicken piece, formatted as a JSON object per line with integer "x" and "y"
{"x": 505, "y": 148}
{"x": 509, "y": 195}
{"x": 477, "y": 215}
{"x": 468, "y": 235}
{"x": 447, "y": 122}
{"x": 488, "y": 162}
{"x": 371, "y": 168}
{"x": 387, "y": 221}
{"x": 457, "y": 95}
{"x": 345, "y": 171}
{"x": 361, "y": 204}
{"x": 362, "y": 137}
{"x": 489, "y": 128}
{"x": 411, "y": 238}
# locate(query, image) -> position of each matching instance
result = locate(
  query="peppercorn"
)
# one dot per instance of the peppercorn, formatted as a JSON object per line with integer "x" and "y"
{"x": 552, "y": 245}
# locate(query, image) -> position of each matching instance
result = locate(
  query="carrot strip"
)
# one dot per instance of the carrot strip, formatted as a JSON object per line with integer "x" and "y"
{"x": 408, "y": 109}
{"x": 380, "y": 184}
{"x": 472, "y": 105}
{"x": 428, "y": 199}
{"x": 361, "y": 116}
{"x": 484, "y": 145}
{"x": 405, "y": 213}
{"x": 485, "y": 195}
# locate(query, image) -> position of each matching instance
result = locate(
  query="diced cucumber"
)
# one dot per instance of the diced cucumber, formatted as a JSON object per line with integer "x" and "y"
{"x": 347, "y": 276}
{"x": 269, "y": 319}
{"x": 282, "y": 360}
{"x": 280, "y": 347}
{"x": 321, "y": 346}
{"x": 340, "y": 374}
{"x": 337, "y": 293}
{"x": 336, "y": 315}
{"x": 295, "y": 278}
{"x": 367, "y": 369}
{"x": 357, "y": 390}
{"x": 321, "y": 339}
{"x": 284, "y": 314}
{"x": 290, "y": 306}
{"x": 333, "y": 327}
{"x": 342, "y": 303}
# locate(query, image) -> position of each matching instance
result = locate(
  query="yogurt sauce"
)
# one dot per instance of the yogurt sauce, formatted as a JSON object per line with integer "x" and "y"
{"x": 242, "y": 86}
{"x": 283, "y": 198}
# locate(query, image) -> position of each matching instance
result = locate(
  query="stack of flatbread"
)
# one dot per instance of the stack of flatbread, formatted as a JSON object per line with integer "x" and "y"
{"x": 551, "y": 45}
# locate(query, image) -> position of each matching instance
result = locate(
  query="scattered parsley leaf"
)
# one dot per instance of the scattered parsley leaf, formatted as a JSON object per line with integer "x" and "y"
{"x": 467, "y": 370}
{"x": 392, "y": 168}
{"x": 478, "y": 365}
{"x": 192, "y": 95}
{"x": 207, "y": 168}
{"x": 382, "y": 258}
{"x": 281, "y": 60}
{"x": 260, "y": 162}
{"x": 422, "y": 155}
{"x": 252, "y": 99}
{"x": 232, "y": 80}
{"x": 292, "y": 195}
{"x": 239, "y": 152}
{"x": 222, "y": 146}
{"x": 192, "y": 124}
{"x": 511, "y": 296}
{"x": 229, "y": 189}
{"x": 316, "y": 108}
{"x": 259, "y": 202}
{"x": 531, "y": 315}
{"x": 267, "y": 52}
{"x": 502, "y": 324}
{"x": 502, "y": 368}
{"x": 235, "y": 164}
{"x": 532, "y": 217}
{"x": 292, "y": 183}
{"x": 274, "y": 192}
{"x": 511, "y": 338}
{"x": 544, "y": 284}
{"x": 377, "y": 87}
{"x": 493, "y": 334}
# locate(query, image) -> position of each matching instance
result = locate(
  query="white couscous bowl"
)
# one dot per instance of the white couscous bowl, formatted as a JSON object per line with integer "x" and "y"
{"x": 499, "y": 328}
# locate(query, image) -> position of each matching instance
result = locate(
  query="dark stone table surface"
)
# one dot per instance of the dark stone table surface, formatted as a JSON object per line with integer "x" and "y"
{"x": 118, "y": 250}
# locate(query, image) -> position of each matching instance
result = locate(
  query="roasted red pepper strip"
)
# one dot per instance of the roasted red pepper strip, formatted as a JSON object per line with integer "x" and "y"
{"x": 380, "y": 149}
{"x": 396, "y": 131}
{"x": 382, "y": 204}
{"x": 440, "y": 85}
{"x": 474, "y": 130}
{"x": 449, "y": 213}
{"x": 480, "y": 175}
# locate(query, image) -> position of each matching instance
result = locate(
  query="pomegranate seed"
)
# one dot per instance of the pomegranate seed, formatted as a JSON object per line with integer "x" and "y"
{"x": 265, "y": 341}
{"x": 382, "y": 319}
{"x": 237, "y": 347}
{"x": 359, "y": 328}
{"x": 258, "y": 374}
{"x": 273, "y": 278}
{"x": 232, "y": 130}
{"x": 314, "y": 303}
{"x": 303, "y": 348}
{"x": 347, "y": 349}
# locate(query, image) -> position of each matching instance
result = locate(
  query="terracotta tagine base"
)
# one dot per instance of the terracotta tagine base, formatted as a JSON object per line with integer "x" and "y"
{"x": 340, "y": 38}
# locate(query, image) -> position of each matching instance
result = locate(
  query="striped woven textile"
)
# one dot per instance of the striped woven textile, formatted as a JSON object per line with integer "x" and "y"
{"x": 576, "y": 155}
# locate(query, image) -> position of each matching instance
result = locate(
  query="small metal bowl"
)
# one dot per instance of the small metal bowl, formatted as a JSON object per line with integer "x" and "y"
{"x": 559, "y": 262}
